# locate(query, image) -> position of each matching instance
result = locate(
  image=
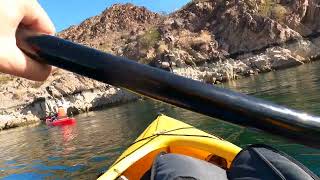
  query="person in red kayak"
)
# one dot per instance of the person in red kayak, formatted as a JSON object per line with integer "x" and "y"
{"x": 61, "y": 112}
{"x": 29, "y": 14}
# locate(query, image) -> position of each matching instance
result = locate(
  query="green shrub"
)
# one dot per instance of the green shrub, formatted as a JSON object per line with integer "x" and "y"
{"x": 266, "y": 7}
{"x": 117, "y": 11}
{"x": 5, "y": 78}
{"x": 272, "y": 9}
{"x": 251, "y": 3}
{"x": 149, "y": 39}
{"x": 279, "y": 12}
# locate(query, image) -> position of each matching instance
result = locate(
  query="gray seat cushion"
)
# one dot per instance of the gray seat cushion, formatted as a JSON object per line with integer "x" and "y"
{"x": 176, "y": 167}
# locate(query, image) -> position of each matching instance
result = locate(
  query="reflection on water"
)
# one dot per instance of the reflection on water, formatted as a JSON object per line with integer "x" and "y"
{"x": 82, "y": 150}
{"x": 87, "y": 148}
{"x": 297, "y": 88}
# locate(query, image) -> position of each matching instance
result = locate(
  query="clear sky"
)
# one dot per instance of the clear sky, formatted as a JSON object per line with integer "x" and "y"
{"x": 65, "y": 13}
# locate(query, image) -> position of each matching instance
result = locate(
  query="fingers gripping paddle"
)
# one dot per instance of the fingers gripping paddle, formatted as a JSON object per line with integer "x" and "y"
{"x": 206, "y": 99}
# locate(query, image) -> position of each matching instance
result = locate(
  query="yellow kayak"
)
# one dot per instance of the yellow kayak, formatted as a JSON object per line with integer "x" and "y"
{"x": 168, "y": 135}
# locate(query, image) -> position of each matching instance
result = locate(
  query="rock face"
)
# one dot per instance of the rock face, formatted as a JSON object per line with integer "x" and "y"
{"x": 207, "y": 40}
{"x": 113, "y": 27}
{"x": 237, "y": 25}
{"x": 24, "y": 102}
{"x": 301, "y": 16}
{"x": 205, "y": 31}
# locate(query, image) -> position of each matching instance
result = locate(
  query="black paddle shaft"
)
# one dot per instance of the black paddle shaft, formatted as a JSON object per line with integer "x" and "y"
{"x": 186, "y": 93}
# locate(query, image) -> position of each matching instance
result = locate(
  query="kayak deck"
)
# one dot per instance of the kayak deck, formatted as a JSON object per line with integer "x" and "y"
{"x": 166, "y": 134}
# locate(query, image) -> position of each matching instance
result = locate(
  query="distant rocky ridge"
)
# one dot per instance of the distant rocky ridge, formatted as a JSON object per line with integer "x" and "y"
{"x": 212, "y": 41}
{"x": 221, "y": 33}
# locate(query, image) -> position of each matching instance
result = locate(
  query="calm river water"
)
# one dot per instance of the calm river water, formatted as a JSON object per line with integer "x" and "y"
{"x": 84, "y": 150}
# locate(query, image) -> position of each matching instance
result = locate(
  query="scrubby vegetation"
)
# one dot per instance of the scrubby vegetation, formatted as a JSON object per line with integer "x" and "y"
{"x": 278, "y": 12}
{"x": 149, "y": 38}
{"x": 37, "y": 84}
{"x": 272, "y": 9}
{"x": 106, "y": 47}
{"x": 147, "y": 42}
{"x": 265, "y": 7}
{"x": 5, "y": 78}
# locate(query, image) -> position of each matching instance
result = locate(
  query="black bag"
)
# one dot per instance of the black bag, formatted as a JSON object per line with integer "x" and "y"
{"x": 259, "y": 161}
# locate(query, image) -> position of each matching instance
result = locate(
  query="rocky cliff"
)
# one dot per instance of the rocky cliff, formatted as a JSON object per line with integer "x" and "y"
{"x": 208, "y": 40}
{"x": 235, "y": 38}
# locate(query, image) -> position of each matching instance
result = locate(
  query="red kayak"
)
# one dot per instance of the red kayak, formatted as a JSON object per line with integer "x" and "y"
{"x": 61, "y": 122}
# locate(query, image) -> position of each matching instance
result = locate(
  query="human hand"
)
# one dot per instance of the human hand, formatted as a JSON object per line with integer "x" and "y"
{"x": 29, "y": 14}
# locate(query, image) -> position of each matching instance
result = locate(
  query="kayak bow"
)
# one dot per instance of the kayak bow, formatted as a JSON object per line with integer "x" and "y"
{"x": 166, "y": 134}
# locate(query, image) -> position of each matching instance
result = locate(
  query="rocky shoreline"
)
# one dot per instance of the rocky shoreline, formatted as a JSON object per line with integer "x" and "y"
{"x": 211, "y": 41}
{"x": 30, "y": 107}
{"x": 247, "y": 64}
